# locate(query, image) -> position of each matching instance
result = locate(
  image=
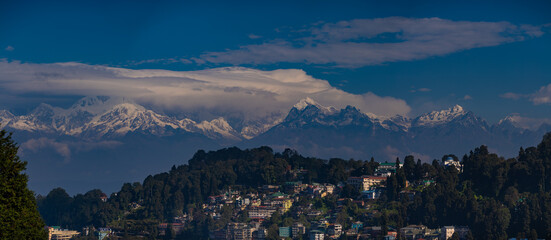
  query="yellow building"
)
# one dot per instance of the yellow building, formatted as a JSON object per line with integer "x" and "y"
{"x": 287, "y": 204}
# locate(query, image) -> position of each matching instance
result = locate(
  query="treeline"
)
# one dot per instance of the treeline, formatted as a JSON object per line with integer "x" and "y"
{"x": 185, "y": 187}
{"x": 496, "y": 197}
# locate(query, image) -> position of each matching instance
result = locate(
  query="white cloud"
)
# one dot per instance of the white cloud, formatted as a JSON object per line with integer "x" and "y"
{"x": 363, "y": 42}
{"x": 34, "y": 145}
{"x": 467, "y": 97}
{"x": 510, "y": 95}
{"x": 254, "y": 36}
{"x": 9, "y": 48}
{"x": 65, "y": 149}
{"x": 542, "y": 96}
{"x": 420, "y": 90}
{"x": 249, "y": 92}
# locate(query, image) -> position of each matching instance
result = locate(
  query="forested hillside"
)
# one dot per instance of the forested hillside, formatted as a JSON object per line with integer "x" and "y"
{"x": 496, "y": 197}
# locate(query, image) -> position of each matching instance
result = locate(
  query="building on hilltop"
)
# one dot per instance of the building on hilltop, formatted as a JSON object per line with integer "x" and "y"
{"x": 450, "y": 162}
{"x": 364, "y": 183}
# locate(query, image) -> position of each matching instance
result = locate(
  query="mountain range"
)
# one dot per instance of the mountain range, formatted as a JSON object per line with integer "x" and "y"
{"x": 100, "y": 139}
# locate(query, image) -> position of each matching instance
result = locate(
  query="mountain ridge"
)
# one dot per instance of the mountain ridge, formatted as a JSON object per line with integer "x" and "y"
{"x": 102, "y": 116}
{"x": 99, "y": 139}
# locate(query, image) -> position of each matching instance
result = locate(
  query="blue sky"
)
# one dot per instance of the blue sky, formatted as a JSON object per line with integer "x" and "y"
{"x": 492, "y": 57}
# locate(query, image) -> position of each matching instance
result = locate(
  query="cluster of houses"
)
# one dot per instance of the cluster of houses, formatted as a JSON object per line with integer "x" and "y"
{"x": 260, "y": 205}
{"x": 269, "y": 199}
{"x": 322, "y": 229}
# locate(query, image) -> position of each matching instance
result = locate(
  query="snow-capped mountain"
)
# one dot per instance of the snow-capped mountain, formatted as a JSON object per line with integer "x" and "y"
{"x": 97, "y": 117}
{"x": 108, "y": 117}
{"x": 318, "y": 130}
{"x": 5, "y": 117}
{"x": 435, "y": 118}
{"x": 96, "y": 132}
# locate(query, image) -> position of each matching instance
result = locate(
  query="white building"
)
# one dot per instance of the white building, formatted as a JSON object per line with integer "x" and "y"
{"x": 316, "y": 235}
{"x": 261, "y": 212}
{"x": 334, "y": 230}
{"x": 365, "y": 182}
{"x": 449, "y": 162}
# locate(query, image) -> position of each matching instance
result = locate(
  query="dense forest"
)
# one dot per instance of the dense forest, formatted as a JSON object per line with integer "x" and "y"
{"x": 496, "y": 197}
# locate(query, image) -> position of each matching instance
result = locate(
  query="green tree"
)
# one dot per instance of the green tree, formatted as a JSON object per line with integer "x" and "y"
{"x": 19, "y": 217}
{"x": 409, "y": 168}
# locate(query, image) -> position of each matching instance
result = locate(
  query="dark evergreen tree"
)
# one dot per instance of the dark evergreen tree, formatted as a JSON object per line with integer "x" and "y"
{"x": 19, "y": 217}
{"x": 409, "y": 168}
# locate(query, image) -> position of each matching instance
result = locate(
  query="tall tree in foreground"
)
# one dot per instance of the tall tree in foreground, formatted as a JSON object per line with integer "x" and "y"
{"x": 19, "y": 217}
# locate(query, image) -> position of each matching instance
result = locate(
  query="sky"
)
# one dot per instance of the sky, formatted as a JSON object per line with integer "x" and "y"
{"x": 396, "y": 57}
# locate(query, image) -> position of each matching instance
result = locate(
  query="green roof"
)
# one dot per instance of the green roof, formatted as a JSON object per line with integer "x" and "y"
{"x": 278, "y": 194}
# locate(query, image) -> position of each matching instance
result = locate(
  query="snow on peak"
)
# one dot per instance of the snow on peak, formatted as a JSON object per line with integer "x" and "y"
{"x": 303, "y": 103}
{"x": 524, "y": 123}
{"x": 97, "y": 104}
{"x": 217, "y": 127}
{"x": 456, "y": 109}
{"x": 440, "y": 117}
{"x": 128, "y": 109}
{"x": 90, "y": 101}
{"x": 6, "y": 114}
{"x": 5, "y": 118}
{"x": 509, "y": 119}
{"x": 108, "y": 116}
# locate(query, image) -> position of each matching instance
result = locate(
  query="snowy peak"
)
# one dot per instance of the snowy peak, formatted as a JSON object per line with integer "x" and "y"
{"x": 308, "y": 103}
{"x": 43, "y": 111}
{"x": 87, "y": 102}
{"x": 457, "y": 109}
{"x": 218, "y": 128}
{"x": 517, "y": 122}
{"x": 98, "y": 104}
{"x": 303, "y": 103}
{"x": 511, "y": 120}
{"x": 307, "y": 112}
{"x": 5, "y": 114}
{"x": 96, "y": 117}
{"x": 5, "y": 118}
{"x": 439, "y": 117}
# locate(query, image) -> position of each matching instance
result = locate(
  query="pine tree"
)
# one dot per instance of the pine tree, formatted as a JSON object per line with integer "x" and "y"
{"x": 19, "y": 217}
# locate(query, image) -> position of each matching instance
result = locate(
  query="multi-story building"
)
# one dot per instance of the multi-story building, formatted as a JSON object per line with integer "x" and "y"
{"x": 261, "y": 212}
{"x": 334, "y": 230}
{"x": 238, "y": 231}
{"x": 365, "y": 182}
{"x": 316, "y": 235}
{"x": 298, "y": 229}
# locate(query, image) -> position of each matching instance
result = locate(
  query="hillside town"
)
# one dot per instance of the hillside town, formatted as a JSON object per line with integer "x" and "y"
{"x": 301, "y": 211}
